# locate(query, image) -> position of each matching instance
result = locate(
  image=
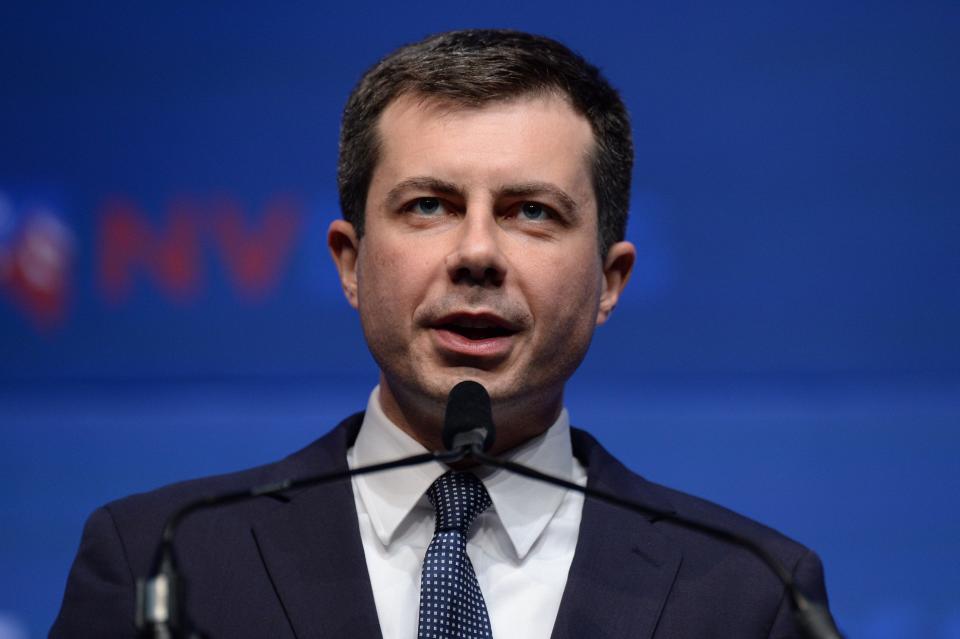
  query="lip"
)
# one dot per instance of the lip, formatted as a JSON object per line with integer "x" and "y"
{"x": 454, "y": 343}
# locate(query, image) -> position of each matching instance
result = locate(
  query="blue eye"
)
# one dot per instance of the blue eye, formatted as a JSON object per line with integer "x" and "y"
{"x": 534, "y": 211}
{"x": 426, "y": 206}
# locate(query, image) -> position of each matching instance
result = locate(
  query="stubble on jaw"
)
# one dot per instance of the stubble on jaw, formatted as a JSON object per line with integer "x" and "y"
{"x": 516, "y": 419}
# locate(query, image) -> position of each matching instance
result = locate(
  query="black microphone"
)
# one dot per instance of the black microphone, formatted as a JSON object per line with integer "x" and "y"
{"x": 468, "y": 421}
{"x": 469, "y": 429}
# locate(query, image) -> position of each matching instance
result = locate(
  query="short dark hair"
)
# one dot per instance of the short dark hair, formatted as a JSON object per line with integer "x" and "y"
{"x": 477, "y": 66}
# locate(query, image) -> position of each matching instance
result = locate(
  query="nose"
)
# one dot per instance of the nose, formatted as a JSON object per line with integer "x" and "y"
{"x": 477, "y": 258}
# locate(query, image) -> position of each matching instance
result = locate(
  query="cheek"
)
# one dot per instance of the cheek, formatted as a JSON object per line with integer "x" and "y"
{"x": 567, "y": 297}
{"x": 390, "y": 281}
{"x": 566, "y": 321}
{"x": 578, "y": 305}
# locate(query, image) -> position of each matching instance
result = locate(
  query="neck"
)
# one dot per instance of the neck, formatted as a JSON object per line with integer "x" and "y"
{"x": 517, "y": 420}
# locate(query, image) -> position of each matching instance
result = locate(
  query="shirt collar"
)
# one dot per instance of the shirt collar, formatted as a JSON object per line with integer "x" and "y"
{"x": 524, "y": 506}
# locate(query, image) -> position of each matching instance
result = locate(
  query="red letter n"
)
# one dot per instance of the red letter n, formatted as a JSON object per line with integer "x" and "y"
{"x": 127, "y": 244}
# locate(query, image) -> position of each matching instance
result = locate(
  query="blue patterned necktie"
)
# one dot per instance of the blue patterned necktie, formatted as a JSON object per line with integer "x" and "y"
{"x": 451, "y": 604}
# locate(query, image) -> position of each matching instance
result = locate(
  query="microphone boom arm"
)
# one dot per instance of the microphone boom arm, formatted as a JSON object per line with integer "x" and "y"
{"x": 161, "y": 613}
{"x": 812, "y": 617}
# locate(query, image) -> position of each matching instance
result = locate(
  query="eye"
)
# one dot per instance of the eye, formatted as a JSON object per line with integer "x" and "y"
{"x": 534, "y": 211}
{"x": 427, "y": 206}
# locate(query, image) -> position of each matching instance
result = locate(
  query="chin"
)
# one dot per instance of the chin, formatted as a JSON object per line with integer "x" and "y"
{"x": 493, "y": 382}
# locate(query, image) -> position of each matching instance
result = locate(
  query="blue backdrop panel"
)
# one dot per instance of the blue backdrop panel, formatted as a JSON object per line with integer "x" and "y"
{"x": 168, "y": 309}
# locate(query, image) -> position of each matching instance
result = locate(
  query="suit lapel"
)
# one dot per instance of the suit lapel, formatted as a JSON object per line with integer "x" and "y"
{"x": 621, "y": 574}
{"x": 312, "y": 551}
{"x": 623, "y": 568}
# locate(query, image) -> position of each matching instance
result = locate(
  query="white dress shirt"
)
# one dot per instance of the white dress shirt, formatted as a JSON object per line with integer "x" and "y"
{"x": 521, "y": 547}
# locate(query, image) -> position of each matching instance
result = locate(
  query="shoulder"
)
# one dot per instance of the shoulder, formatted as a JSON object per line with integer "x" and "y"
{"x": 120, "y": 539}
{"x": 683, "y": 556}
{"x": 704, "y": 553}
{"x": 322, "y": 454}
{"x": 608, "y": 473}
{"x": 139, "y": 518}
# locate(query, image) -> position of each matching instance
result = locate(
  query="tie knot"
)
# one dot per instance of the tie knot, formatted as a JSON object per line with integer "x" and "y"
{"x": 458, "y": 499}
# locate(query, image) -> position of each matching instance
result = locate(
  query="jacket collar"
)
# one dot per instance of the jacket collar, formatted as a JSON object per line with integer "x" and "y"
{"x": 619, "y": 581}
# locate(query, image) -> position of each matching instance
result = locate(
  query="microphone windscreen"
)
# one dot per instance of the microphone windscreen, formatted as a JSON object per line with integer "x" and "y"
{"x": 468, "y": 408}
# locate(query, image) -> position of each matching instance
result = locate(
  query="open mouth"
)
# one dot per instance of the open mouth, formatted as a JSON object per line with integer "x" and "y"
{"x": 477, "y": 332}
{"x": 476, "y": 328}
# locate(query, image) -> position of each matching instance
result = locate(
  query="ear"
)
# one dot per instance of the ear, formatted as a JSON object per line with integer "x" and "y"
{"x": 616, "y": 271}
{"x": 344, "y": 249}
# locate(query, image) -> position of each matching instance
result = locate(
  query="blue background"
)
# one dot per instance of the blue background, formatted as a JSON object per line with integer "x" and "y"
{"x": 788, "y": 346}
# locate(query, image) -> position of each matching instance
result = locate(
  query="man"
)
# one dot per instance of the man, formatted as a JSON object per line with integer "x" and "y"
{"x": 484, "y": 180}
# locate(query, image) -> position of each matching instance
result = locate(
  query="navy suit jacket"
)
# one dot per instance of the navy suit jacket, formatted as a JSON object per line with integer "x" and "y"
{"x": 293, "y": 565}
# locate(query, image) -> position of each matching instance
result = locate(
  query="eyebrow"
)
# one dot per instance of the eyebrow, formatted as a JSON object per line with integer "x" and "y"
{"x": 433, "y": 185}
{"x": 567, "y": 204}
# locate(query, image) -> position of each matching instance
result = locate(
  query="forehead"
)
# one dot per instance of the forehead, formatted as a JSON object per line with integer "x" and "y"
{"x": 536, "y": 137}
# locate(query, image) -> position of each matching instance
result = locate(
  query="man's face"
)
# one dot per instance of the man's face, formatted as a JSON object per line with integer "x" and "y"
{"x": 480, "y": 254}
